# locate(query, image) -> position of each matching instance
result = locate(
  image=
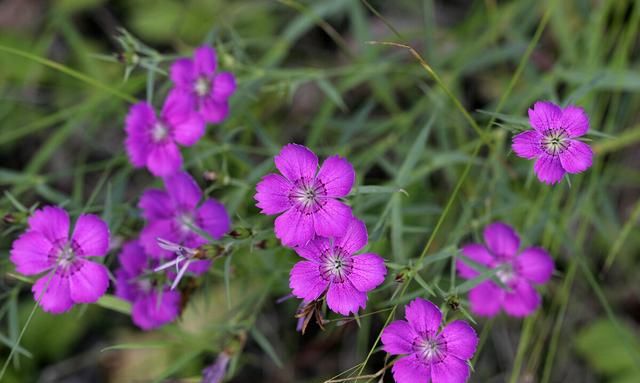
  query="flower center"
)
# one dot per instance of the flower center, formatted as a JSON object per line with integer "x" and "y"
{"x": 186, "y": 222}
{"x": 555, "y": 142}
{"x": 505, "y": 273}
{"x": 66, "y": 256}
{"x": 335, "y": 265}
{"x": 159, "y": 132}
{"x": 308, "y": 195}
{"x": 202, "y": 86}
{"x": 430, "y": 349}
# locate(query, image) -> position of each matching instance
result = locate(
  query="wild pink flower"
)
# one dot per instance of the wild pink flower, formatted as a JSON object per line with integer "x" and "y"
{"x": 516, "y": 270}
{"x": 152, "y": 141}
{"x": 308, "y": 198}
{"x": 331, "y": 266}
{"x": 208, "y": 90}
{"x": 70, "y": 277}
{"x": 172, "y": 215}
{"x": 153, "y": 305}
{"x": 431, "y": 355}
{"x": 553, "y": 141}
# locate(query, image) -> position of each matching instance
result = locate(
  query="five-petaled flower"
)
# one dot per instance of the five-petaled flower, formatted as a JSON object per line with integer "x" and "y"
{"x": 154, "y": 304}
{"x": 208, "y": 91}
{"x": 431, "y": 355}
{"x": 330, "y": 266}
{"x": 308, "y": 198}
{"x": 553, "y": 141}
{"x": 152, "y": 141}
{"x": 516, "y": 270}
{"x": 174, "y": 214}
{"x": 70, "y": 277}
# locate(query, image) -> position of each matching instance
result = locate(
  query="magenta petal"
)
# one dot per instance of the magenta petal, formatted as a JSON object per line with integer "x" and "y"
{"x": 155, "y": 204}
{"x": 52, "y": 222}
{"x": 294, "y": 228}
{"x": 133, "y": 258}
{"x": 577, "y": 157}
{"x": 368, "y": 272}
{"x": 296, "y": 161}
{"x": 461, "y": 339}
{"x": 214, "y": 111}
{"x": 186, "y": 125}
{"x": 522, "y": 300}
{"x": 32, "y": 253}
{"x": 411, "y": 370}
{"x": 199, "y": 267}
{"x": 306, "y": 282}
{"x": 575, "y": 121}
{"x": 204, "y": 60}
{"x": 158, "y": 229}
{"x": 355, "y": 238}
{"x": 527, "y": 144}
{"x": 56, "y": 298}
{"x": 486, "y": 299}
{"x": 450, "y": 370}
{"x": 315, "y": 248}
{"x": 476, "y": 252}
{"x": 138, "y": 123}
{"x": 182, "y": 73}
{"x": 183, "y": 190}
{"x": 156, "y": 309}
{"x": 423, "y": 316}
{"x": 90, "y": 236}
{"x": 344, "y": 299}
{"x": 397, "y": 338}
{"x": 164, "y": 159}
{"x": 549, "y": 169}
{"x": 224, "y": 85}
{"x": 534, "y": 264}
{"x": 337, "y": 176}
{"x": 89, "y": 281}
{"x": 272, "y": 194}
{"x": 125, "y": 289}
{"x": 545, "y": 115}
{"x": 501, "y": 239}
{"x": 212, "y": 217}
{"x": 332, "y": 219}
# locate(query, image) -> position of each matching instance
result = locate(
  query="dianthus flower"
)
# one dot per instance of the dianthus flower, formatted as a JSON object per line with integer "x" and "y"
{"x": 152, "y": 141}
{"x": 173, "y": 214}
{"x": 331, "y": 266}
{"x": 553, "y": 141}
{"x": 308, "y": 198}
{"x": 70, "y": 277}
{"x": 516, "y": 270}
{"x": 208, "y": 90}
{"x": 153, "y": 304}
{"x": 431, "y": 355}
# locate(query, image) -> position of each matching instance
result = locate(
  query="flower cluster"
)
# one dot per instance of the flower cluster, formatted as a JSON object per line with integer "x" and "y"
{"x": 321, "y": 229}
{"x": 178, "y": 216}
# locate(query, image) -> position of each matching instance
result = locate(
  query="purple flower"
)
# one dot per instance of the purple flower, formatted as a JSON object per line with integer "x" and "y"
{"x": 208, "y": 90}
{"x": 152, "y": 141}
{"x": 308, "y": 198}
{"x": 517, "y": 271}
{"x": 70, "y": 276}
{"x": 553, "y": 141}
{"x": 215, "y": 372}
{"x": 431, "y": 355}
{"x": 153, "y": 305}
{"x": 173, "y": 213}
{"x": 331, "y": 266}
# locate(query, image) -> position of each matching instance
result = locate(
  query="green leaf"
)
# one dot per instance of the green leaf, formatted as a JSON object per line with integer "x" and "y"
{"x": 266, "y": 346}
{"x": 114, "y": 303}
